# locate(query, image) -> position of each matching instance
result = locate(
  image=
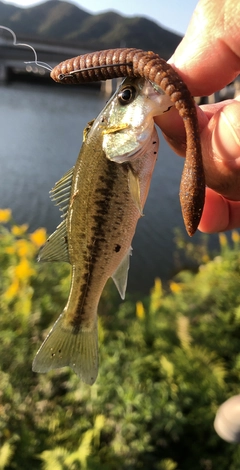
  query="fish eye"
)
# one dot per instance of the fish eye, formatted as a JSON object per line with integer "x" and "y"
{"x": 127, "y": 95}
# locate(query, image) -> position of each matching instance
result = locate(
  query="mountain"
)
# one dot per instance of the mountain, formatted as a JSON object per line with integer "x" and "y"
{"x": 64, "y": 22}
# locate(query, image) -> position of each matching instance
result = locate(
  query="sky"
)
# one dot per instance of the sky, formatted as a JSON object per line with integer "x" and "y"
{"x": 171, "y": 14}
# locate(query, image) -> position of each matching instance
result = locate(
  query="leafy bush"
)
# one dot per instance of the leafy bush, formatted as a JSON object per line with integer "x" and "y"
{"x": 167, "y": 363}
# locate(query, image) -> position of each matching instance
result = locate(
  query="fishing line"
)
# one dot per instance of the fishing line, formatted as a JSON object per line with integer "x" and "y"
{"x": 61, "y": 76}
{"x": 47, "y": 66}
{"x": 15, "y": 43}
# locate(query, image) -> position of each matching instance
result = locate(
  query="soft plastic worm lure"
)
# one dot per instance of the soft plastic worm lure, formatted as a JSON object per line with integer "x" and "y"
{"x": 113, "y": 63}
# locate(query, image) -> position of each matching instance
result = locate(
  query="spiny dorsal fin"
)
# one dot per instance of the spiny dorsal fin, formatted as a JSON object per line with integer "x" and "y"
{"x": 120, "y": 276}
{"x": 61, "y": 192}
{"x": 56, "y": 246}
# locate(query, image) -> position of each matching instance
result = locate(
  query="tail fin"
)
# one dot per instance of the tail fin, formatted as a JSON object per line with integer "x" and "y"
{"x": 65, "y": 347}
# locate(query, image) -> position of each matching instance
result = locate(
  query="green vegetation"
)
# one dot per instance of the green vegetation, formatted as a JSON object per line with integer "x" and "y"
{"x": 167, "y": 362}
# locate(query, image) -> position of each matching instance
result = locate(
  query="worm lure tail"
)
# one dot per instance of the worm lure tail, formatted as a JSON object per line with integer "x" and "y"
{"x": 114, "y": 63}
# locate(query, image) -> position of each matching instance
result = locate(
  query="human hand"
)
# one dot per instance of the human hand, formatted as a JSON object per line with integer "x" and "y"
{"x": 207, "y": 59}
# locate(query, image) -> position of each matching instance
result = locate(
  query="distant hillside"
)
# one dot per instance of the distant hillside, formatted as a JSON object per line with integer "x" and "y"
{"x": 61, "y": 21}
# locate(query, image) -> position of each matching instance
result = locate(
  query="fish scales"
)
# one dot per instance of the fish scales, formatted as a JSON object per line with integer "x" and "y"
{"x": 101, "y": 198}
{"x": 108, "y": 218}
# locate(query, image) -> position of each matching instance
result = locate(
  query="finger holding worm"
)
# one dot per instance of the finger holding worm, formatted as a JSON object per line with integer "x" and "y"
{"x": 126, "y": 62}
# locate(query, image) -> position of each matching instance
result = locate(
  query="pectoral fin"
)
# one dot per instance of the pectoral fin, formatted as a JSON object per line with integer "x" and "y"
{"x": 120, "y": 276}
{"x": 134, "y": 188}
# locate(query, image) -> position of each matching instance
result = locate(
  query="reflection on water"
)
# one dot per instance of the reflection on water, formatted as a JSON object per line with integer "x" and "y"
{"x": 41, "y": 134}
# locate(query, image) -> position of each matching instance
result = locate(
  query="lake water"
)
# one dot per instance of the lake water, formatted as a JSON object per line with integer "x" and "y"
{"x": 40, "y": 137}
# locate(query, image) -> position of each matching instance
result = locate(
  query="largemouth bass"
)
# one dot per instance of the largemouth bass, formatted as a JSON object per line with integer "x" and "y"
{"x": 102, "y": 198}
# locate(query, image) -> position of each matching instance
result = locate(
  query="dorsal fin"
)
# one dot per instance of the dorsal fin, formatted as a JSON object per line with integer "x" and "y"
{"x": 61, "y": 192}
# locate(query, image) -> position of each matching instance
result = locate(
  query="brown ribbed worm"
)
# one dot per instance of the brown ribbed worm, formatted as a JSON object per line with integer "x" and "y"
{"x": 113, "y": 63}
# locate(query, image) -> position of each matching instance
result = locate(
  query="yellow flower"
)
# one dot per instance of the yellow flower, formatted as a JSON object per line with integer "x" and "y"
{"x": 175, "y": 287}
{"x": 38, "y": 237}
{"x": 140, "y": 311}
{"x": 24, "y": 270}
{"x": 5, "y": 215}
{"x": 10, "y": 250}
{"x": 235, "y": 236}
{"x": 12, "y": 290}
{"x": 24, "y": 248}
{"x": 158, "y": 286}
{"x": 19, "y": 230}
{"x": 223, "y": 239}
{"x": 24, "y": 304}
{"x": 156, "y": 295}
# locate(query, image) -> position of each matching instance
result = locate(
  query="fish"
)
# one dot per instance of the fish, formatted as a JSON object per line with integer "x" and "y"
{"x": 132, "y": 62}
{"x": 101, "y": 198}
